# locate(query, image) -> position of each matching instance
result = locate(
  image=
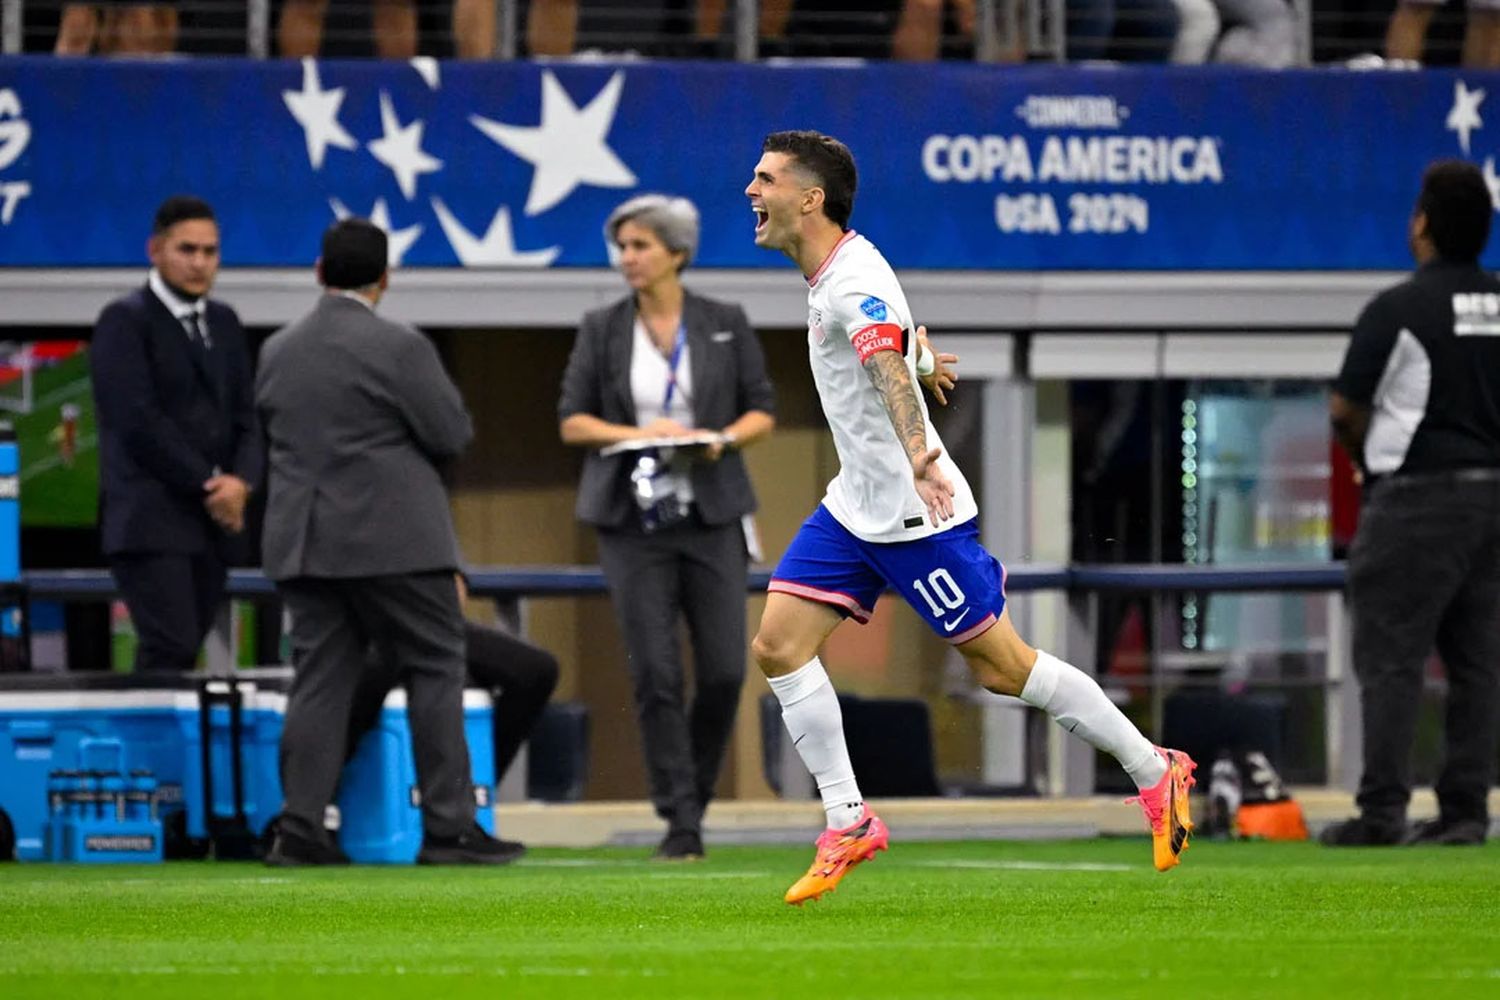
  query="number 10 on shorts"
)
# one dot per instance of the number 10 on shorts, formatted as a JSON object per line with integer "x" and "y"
{"x": 940, "y": 586}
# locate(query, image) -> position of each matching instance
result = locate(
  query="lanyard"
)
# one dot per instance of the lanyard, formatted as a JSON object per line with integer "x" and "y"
{"x": 677, "y": 347}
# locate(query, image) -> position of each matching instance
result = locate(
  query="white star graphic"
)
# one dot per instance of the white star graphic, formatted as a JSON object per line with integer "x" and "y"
{"x": 317, "y": 111}
{"x": 427, "y": 68}
{"x": 400, "y": 148}
{"x": 1463, "y": 118}
{"x": 496, "y": 249}
{"x": 398, "y": 241}
{"x": 1492, "y": 181}
{"x": 568, "y": 148}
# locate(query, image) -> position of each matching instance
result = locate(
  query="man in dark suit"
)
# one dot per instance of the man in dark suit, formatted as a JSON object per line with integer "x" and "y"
{"x": 180, "y": 446}
{"x": 358, "y": 415}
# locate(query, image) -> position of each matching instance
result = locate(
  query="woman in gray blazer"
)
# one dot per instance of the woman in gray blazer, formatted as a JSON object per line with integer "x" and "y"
{"x": 665, "y": 363}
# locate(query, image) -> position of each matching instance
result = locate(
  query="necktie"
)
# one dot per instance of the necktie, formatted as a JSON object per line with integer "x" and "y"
{"x": 196, "y": 330}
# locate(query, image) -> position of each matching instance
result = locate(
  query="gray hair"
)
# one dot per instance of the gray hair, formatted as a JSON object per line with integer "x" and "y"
{"x": 674, "y": 220}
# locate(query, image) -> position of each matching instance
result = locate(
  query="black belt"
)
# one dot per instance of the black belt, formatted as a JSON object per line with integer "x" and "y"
{"x": 1473, "y": 475}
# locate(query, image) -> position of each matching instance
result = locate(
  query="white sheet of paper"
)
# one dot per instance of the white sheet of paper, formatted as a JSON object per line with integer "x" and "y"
{"x": 701, "y": 439}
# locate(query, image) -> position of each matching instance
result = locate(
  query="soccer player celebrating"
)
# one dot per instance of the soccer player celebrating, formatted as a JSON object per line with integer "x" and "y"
{"x": 899, "y": 514}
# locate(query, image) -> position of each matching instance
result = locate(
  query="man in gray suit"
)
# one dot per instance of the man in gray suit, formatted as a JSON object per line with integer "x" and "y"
{"x": 358, "y": 414}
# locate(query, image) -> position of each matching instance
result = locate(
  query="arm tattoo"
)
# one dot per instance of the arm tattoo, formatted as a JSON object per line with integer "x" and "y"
{"x": 887, "y": 371}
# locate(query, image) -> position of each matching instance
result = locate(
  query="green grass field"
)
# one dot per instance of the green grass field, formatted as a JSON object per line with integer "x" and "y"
{"x": 925, "y": 921}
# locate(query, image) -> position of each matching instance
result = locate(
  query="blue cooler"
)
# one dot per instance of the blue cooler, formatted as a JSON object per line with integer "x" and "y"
{"x": 378, "y": 803}
{"x": 44, "y": 721}
{"x": 160, "y": 724}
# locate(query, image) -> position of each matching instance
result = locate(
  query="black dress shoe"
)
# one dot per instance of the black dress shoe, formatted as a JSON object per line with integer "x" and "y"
{"x": 292, "y": 850}
{"x": 679, "y": 845}
{"x": 1360, "y": 832}
{"x": 472, "y": 847}
{"x": 1453, "y": 833}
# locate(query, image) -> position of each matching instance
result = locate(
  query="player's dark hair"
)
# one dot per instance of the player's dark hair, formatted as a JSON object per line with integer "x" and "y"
{"x": 180, "y": 208}
{"x": 1456, "y": 201}
{"x": 354, "y": 254}
{"x": 830, "y": 163}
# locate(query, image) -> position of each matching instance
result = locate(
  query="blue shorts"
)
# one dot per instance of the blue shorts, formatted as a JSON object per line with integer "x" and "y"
{"x": 949, "y": 578}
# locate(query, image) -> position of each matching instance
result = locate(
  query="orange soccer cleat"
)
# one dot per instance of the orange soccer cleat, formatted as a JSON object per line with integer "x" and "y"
{"x": 1166, "y": 807}
{"x": 839, "y": 851}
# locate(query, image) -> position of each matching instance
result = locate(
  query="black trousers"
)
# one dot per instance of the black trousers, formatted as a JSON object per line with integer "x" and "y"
{"x": 414, "y": 622}
{"x": 172, "y": 598}
{"x": 1424, "y": 571}
{"x": 520, "y": 676}
{"x": 697, "y": 572}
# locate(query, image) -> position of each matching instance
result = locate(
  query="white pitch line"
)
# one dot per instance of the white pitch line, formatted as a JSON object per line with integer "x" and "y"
{"x": 651, "y": 869}
{"x": 66, "y": 391}
{"x": 580, "y": 863}
{"x": 691, "y": 874}
{"x": 466, "y": 971}
{"x": 179, "y": 882}
{"x": 1028, "y": 866}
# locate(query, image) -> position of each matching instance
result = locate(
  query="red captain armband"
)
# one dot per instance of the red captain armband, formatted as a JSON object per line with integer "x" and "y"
{"x": 877, "y": 337}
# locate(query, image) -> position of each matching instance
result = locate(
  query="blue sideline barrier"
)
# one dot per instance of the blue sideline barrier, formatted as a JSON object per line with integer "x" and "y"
{"x": 515, "y": 582}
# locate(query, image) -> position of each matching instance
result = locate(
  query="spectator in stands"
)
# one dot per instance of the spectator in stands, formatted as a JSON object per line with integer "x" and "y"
{"x": 1406, "y": 34}
{"x": 551, "y": 24}
{"x": 180, "y": 449}
{"x": 1198, "y": 30}
{"x": 551, "y": 28}
{"x": 115, "y": 28}
{"x": 941, "y": 29}
{"x": 664, "y": 363}
{"x": 1417, "y": 407}
{"x": 1254, "y": 33}
{"x": 1257, "y": 33}
{"x": 1126, "y": 30}
{"x": 299, "y": 32}
{"x": 909, "y": 30}
{"x": 358, "y": 536}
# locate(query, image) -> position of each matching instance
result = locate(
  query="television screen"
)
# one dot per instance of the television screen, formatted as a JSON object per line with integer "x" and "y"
{"x": 45, "y": 394}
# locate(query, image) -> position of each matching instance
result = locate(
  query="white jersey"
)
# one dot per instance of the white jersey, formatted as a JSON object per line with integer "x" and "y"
{"x": 855, "y": 306}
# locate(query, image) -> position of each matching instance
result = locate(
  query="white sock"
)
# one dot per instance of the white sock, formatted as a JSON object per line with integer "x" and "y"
{"x": 810, "y": 709}
{"x": 1081, "y": 707}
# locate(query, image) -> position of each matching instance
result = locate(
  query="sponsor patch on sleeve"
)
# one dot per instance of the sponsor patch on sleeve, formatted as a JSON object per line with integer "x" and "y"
{"x": 874, "y": 308}
{"x": 874, "y": 338}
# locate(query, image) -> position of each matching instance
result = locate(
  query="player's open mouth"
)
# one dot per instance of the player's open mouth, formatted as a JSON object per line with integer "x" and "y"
{"x": 761, "y": 216}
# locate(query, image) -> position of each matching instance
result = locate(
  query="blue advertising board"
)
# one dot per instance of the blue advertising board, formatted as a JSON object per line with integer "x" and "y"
{"x": 516, "y": 165}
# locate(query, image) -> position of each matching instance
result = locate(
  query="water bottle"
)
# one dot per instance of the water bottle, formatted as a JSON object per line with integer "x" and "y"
{"x": 142, "y": 795}
{"x": 112, "y": 790}
{"x": 66, "y": 806}
{"x": 68, "y": 785}
{"x": 89, "y": 804}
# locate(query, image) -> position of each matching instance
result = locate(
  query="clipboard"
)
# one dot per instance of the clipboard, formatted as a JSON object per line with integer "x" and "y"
{"x": 698, "y": 440}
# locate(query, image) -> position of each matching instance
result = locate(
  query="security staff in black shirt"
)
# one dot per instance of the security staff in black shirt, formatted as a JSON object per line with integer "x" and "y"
{"x": 1417, "y": 406}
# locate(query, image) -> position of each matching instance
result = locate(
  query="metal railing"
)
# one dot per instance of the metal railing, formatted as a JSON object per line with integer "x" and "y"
{"x": 1068, "y": 764}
